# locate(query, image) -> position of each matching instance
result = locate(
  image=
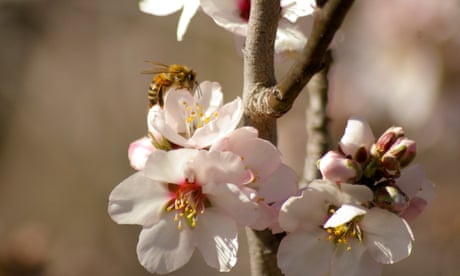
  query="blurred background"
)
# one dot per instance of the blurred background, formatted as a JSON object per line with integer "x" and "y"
{"x": 72, "y": 97}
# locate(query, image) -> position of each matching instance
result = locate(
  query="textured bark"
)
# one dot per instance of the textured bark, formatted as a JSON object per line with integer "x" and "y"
{"x": 317, "y": 122}
{"x": 265, "y": 101}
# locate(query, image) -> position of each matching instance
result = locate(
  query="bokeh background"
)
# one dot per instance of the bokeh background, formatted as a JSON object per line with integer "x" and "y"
{"x": 72, "y": 98}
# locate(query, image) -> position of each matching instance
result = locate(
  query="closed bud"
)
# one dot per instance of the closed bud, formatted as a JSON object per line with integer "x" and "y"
{"x": 386, "y": 140}
{"x": 403, "y": 150}
{"x": 336, "y": 167}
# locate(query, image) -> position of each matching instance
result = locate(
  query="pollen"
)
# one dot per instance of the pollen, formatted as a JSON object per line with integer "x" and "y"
{"x": 343, "y": 233}
{"x": 188, "y": 202}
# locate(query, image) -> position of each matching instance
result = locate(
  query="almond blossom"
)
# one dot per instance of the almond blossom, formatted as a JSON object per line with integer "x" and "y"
{"x": 186, "y": 199}
{"x": 272, "y": 182}
{"x": 195, "y": 121}
{"x": 234, "y": 15}
{"x": 332, "y": 232}
{"x": 161, "y": 8}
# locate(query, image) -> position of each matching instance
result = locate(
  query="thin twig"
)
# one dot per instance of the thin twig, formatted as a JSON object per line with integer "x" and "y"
{"x": 327, "y": 20}
{"x": 317, "y": 121}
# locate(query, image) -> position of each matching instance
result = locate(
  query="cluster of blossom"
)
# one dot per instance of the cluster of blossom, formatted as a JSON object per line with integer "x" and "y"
{"x": 233, "y": 15}
{"x": 355, "y": 218}
{"x": 200, "y": 178}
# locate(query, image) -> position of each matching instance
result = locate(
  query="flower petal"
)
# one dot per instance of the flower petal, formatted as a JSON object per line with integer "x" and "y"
{"x": 239, "y": 135}
{"x": 137, "y": 200}
{"x": 189, "y": 10}
{"x": 302, "y": 253}
{"x": 228, "y": 119}
{"x": 344, "y": 214}
{"x": 355, "y": 261}
{"x": 169, "y": 166}
{"x": 160, "y": 7}
{"x": 233, "y": 201}
{"x": 214, "y": 168}
{"x": 217, "y": 239}
{"x": 387, "y": 236}
{"x": 226, "y": 15}
{"x": 211, "y": 98}
{"x": 411, "y": 180}
{"x": 163, "y": 248}
{"x": 157, "y": 122}
{"x": 307, "y": 211}
{"x": 357, "y": 133}
{"x": 281, "y": 184}
{"x": 139, "y": 151}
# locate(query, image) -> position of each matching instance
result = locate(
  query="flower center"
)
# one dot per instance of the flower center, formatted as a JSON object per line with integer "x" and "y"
{"x": 188, "y": 201}
{"x": 244, "y": 7}
{"x": 196, "y": 117}
{"x": 342, "y": 233}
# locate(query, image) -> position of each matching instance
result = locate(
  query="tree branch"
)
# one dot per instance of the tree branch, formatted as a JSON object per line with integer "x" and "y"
{"x": 317, "y": 121}
{"x": 259, "y": 80}
{"x": 327, "y": 20}
{"x": 259, "y": 72}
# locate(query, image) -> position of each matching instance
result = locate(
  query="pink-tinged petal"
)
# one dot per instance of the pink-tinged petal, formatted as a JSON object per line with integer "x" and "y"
{"x": 228, "y": 119}
{"x": 280, "y": 185}
{"x": 239, "y": 135}
{"x": 387, "y": 236}
{"x": 169, "y": 166}
{"x": 356, "y": 194}
{"x": 160, "y": 7}
{"x": 357, "y": 133}
{"x": 215, "y": 168}
{"x": 156, "y": 122}
{"x": 232, "y": 201}
{"x": 209, "y": 96}
{"x": 189, "y": 10}
{"x": 176, "y": 103}
{"x": 137, "y": 200}
{"x": 261, "y": 156}
{"x": 415, "y": 208}
{"x": 411, "y": 180}
{"x": 344, "y": 214}
{"x": 354, "y": 262}
{"x": 307, "y": 211}
{"x": 302, "y": 253}
{"x": 427, "y": 190}
{"x": 217, "y": 240}
{"x": 226, "y": 15}
{"x": 139, "y": 151}
{"x": 164, "y": 248}
{"x": 268, "y": 218}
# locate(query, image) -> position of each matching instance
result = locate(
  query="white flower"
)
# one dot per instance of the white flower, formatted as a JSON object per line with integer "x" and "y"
{"x": 195, "y": 121}
{"x": 162, "y": 7}
{"x": 233, "y": 16}
{"x": 330, "y": 232}
{"x": 185, "y": 199}
{"x": 272, "y": 181}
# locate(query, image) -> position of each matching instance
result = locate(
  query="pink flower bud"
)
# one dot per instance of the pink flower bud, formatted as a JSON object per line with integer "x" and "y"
{"x": 335, "y": 167}
{"x": 386, "y": 140}
{"x": 139, "y": 151}
{"x": 403, "y": 151}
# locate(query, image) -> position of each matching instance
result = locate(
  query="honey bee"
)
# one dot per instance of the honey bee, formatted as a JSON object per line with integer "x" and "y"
{"x": 168, "y": 76}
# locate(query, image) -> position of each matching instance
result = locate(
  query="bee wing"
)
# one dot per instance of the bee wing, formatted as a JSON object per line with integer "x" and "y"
{"x": 160, "y": 68}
